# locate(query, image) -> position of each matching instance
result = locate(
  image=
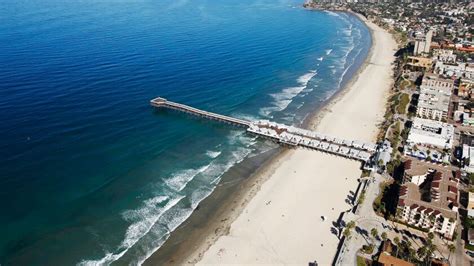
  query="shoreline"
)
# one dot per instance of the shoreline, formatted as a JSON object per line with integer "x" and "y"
{"x": 191, "y": 248}
{"x": 314, "y": 117}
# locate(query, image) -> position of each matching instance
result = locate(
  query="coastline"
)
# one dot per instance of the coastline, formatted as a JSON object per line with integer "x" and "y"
{"x": 243, "y": 208}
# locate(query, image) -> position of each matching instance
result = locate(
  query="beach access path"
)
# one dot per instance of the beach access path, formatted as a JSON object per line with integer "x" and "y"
{"x": 282, "y": 223}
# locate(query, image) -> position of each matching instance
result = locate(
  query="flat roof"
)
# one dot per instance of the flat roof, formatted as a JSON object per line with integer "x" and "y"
{"x": 434, "y": 98}
{"x": 425, "y": 131}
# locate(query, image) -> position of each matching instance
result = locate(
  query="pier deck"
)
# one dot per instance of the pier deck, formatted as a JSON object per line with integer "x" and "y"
{"x": 286, "y": 135}
{"x": 161, "y": 102}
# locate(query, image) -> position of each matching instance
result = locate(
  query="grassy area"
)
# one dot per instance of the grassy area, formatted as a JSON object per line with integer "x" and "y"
{"x": 469, "y": 247}
{"x": 378, "y": 206}
{"x": 361, "y": 261}
{"x": 394, "y": 100}
{"x": 404, "y": 84}
{"x": 404, "y": 100}
{"x": 393, "y": 138}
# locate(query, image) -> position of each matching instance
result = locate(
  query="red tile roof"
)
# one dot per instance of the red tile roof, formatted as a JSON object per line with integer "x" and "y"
{"x": 452, "y": 189}
{"x": 401, "y": 202}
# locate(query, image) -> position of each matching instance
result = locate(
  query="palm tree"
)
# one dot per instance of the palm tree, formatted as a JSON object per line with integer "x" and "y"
{"x": 396, "y": 240}
{"x": 411, "y": 254}
{"x": 430, "y": 235}
{"x": 451, "y": 248}
{"x": 429, "y": 253}
{"x": 374, "y": 233}
{"x": 350, "y": 224}
{"x": 421, "y": 252}
{"x": 347, "y": 233}
{"x": 384, "y": 236}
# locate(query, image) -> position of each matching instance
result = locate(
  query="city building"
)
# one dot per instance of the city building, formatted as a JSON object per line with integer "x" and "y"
{"x": 423, "y": 43}
{"x": 429, "y": 197}
{"x": 444, "y": 55}
{"x": 470, "y": 236}
{"x": 470, "y": 205}
{"x": 430, "y": 133}
{"x": 386, "y": 259}
{"x": 466, "y": 87}
{"x": 435, "y": 94}
{"x": 416, "y": 63}
{"x": 454, "y": 69}
{"x": 468, "y": 158}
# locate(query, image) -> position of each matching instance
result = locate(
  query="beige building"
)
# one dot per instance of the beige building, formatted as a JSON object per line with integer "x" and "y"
{"x": 429, "y": 197}
{"x": 470, "y": 205}
{"x": 416, "y": 63}
{"x": 435, "y": 95}
{"x": 423, "y": 44}
{"x": 466, "y": 88}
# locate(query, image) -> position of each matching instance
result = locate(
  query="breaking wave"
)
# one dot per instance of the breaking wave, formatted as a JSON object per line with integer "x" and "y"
{"x": 282, "y": 99}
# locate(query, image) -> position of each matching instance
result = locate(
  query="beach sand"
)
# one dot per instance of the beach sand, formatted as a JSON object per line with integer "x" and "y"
{"x": 279, "y": 221}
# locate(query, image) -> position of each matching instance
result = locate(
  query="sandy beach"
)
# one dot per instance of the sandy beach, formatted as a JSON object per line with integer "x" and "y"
{"x": 279, "y": 221}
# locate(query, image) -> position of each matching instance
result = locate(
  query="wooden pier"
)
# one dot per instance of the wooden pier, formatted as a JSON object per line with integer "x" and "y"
{"x": 162, "y": 102}
{"x": 286, "y": 135}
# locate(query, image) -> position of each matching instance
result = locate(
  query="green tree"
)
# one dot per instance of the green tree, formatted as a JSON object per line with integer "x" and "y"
{"x": 430, "y": 235}
{"x": 361, "y": 198}
{"x": 396, "y": 240}
{"x": 374, "y": 233}
{"x": 421, "y": 252}
{"x": 347, "y": 233}
{"x": 451, "y": 248}
{"x": 351, "y": 225}
{"x": 384, "y": 236}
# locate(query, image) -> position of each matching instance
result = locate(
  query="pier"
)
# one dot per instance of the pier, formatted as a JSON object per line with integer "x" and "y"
{"x": 283, "y": 134}
{"x": 162, "y": 102}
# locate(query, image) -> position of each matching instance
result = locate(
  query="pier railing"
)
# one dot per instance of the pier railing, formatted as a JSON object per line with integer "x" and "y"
{"x": 161, "y": 102}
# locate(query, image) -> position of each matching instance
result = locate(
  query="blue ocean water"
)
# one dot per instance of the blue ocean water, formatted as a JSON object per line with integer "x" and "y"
{"x": 89, "y": 172}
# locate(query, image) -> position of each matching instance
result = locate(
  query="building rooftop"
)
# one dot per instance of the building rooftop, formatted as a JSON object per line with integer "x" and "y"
{"x": 386, "y": 259}
{"x": 434, "y": 81}
{"x": 442, "y": 185}
{"x": 434, "y": 98}
{"x": 431, "y": 133}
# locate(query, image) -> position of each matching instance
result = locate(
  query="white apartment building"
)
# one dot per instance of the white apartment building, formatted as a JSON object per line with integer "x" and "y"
{"x": 425, "y": 132}
{"x": 423, "y": 44}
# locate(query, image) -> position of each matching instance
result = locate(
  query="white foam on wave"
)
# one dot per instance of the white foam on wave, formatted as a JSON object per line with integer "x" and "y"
{"x": 334, "y": 14}
{"x": 328, "y": 51}
{"x": 180, "y": 215}
{"x": 245, "y": 117}
{"x": 238, "y": 156}
{"x": 143, "y": 220}
{"x": 283, "y": 98}
{"x": 213, "y": 154}
{"x": 304, "y": 79}
{"x": 213, "y": 173}
{"x": 320, "y": 58}
{"x": 179, "y": 180}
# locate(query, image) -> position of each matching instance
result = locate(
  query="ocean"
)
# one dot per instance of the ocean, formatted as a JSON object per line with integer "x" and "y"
{"x": 89, "y": 172}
